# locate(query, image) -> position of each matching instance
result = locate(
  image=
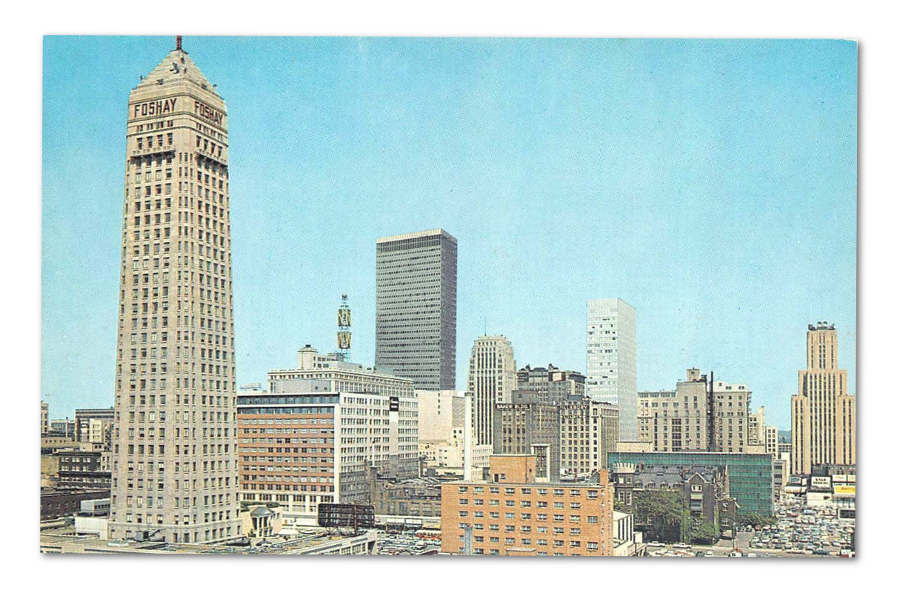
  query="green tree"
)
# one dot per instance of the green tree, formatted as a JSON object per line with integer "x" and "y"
{"x": 660, "y": 513}
{"x": 756, "y": 520}
{"x": 705, "y": 534}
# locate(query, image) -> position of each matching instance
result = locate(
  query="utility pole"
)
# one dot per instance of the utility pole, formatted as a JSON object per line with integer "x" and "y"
{"x": 467, "y": 540}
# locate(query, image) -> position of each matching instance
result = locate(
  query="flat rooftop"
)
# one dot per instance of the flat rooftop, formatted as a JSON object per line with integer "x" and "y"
{"x": 64, "y": 541}
{"x": 417, "y": 235}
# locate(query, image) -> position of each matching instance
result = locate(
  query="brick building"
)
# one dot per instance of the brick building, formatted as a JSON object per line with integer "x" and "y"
{"x": 513, "y": 514}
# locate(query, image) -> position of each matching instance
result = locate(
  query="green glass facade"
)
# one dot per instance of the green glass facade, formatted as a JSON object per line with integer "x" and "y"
{"x": 749, "y": 474}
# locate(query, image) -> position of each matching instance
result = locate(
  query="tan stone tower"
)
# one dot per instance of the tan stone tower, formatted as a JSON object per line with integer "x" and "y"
{"x": 492, "y": 378}
{"x": 823, "y": 414}
{"x": 175, "y": 466}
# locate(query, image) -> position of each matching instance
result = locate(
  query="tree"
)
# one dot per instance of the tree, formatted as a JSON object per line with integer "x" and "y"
{"x": 756, "y": 520}
{"x": 706, "y": 534}
{"x": 660, "y": 512}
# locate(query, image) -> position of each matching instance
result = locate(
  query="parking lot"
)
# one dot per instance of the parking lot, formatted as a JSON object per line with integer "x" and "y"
{"x": 800, "y": 531}
{"x": 806, "y": 531}
{"x": 407, "y": 544}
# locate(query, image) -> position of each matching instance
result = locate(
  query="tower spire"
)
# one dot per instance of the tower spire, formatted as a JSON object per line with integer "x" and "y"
{"x": 178, "y": 42}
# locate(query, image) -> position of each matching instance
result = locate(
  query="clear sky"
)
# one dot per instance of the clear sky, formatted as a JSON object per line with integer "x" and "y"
{"x": 710, "y": 184}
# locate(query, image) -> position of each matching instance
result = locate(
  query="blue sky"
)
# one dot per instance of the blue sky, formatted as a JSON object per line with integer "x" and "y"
{"x": 711, "y": 184}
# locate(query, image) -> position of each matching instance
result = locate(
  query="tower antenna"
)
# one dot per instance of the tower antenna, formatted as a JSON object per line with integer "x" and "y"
{"x": 343, "y": 335}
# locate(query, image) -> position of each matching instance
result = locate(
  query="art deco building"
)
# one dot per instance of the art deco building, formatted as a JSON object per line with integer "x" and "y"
{"x": 611, "y": 360}
{"x": 823, "y": 414}
{"x": 415, "y": 307}
{"x": 174, "y": 445}
{"x": 492, "y": 379}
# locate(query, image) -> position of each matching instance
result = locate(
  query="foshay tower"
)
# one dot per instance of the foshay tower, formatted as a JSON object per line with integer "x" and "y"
{"x": 175, "y": 465}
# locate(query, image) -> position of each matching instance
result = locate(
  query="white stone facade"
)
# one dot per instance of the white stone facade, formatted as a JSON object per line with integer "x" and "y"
{"x": 175, "y": 468}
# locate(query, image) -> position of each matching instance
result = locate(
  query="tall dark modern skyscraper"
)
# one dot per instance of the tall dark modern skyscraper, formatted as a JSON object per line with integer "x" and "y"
{"x": 174, "y": 447}
{"x": 415, "y": 302}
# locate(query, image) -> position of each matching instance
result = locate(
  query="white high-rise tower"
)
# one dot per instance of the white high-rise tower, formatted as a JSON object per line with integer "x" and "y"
{"x": 611, "y": 360}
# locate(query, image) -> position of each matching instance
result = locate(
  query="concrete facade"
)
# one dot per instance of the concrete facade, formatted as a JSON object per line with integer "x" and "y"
{"x": 339, "y": 375}
{"x": 302, "y": 444}
{"x": 771, "y": 440}
{"x": 677, "y": 420}
{"x": 526, "y": 427}
{"x": 94, "y": 425}
{"x": 175, "y": 460}
{"x": 612, "y": 360}
{"x": 415, "y": 307}
{"x": 756, "y": 427}
{"x": 550, "y": 385}
{"x": 83, "y": 470}
{"x": 446, "y": 432}
{"x": 588, "y": 431}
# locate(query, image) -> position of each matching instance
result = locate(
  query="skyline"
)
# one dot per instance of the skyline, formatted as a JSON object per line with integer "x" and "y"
{"x": 483, "y": 77}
